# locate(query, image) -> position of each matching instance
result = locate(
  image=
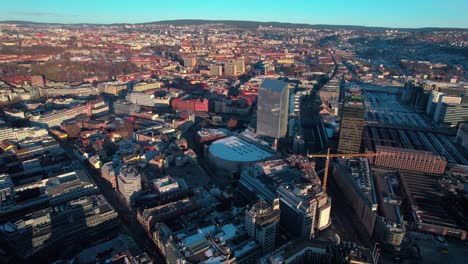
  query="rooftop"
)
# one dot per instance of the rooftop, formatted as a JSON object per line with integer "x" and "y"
{"x": 234, "y": 148}
{"x": 274, "y": 85}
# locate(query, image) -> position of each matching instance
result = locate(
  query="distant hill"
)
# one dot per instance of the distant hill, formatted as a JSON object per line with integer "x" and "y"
{"x": 243, "y": 24}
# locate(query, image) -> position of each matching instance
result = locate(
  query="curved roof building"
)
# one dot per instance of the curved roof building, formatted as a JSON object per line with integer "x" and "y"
{"x": 231, "y": 153}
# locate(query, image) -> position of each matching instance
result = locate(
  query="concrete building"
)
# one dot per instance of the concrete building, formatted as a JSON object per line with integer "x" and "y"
{"x": 434, "y": 98}
{"x": 445, "y": 99}
{"x": 57, "y": 117}
{"x": 216, "y": 70}
{"x": 305, "y": 209}
{"x": 353, "y": 177}
{"x": 109, "y": 173}
{"x": 190, "y": 62}
{"x": 14, "y": 114}
{"x": 272, "y": 108}
{"x": 125, "y": 108}
{"x": 68, "y": 186}
{"x": 230, "y": 69}
{"x": 195, "y": 105}
{"x": 227, "y": 244}
{"x": 389, "y": 227}
{"x": 129, "y": 182}
{"x": 409, "y": 159}
{"x": 301, "y": 251}
{"x": 352, "y": 122}
{"x": 55, "y": 228}
{"x": 462, "y": 135}
{"x": 425, "y": 200}
{"x": 142, "y": 99}
{"x": 453, "y": 114}
{"x": 261, "y": 223}
{"x": 7, "y": 192}
{"x": 141, "y": 87}
{"x": 21, "y": 133}
{"x": 231, "y": 153}
{"x": 240, "y": 66}
{"x": 52, "y": 191}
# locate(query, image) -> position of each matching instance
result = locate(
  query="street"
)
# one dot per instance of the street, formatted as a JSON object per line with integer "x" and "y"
{"x": 129, "y": 223}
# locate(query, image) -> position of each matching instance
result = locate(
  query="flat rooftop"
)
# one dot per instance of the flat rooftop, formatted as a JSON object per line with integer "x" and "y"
{"x": 387, "y": 184}
{"x": 273, "y": 85}
{"x": 234, "y": 148}
{"x": 426, "y": 199}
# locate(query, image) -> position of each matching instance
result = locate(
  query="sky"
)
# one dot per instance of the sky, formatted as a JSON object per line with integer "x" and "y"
{"x": 387, "y": 13}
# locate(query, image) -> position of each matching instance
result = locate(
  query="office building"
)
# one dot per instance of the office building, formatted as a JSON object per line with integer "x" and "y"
{"x": 7, "y": 192}
{"x": 141, "y": 87}
{"x": 185, "y": 104}
{"x": 429, "y": 211}
{"x": 302, "y": 251}
{"x": 462, "y": 135}
{"x": 125, "y": 108}
{"x": 216, "y": 70}
{"x": 305, "y": 209}
{"x": 272, "y": 108}
{"x": 225, "y": 244}
{"x": 453, "y": 114}
{"x": 56, "y": 228}
{"x": 389, "y": 226}
{"x": 352, "y": 122}
{"x": 190, "y": 62}
{"x": 142, "y": 99}
{"x": 68, "y": 186}
{"x": 445, "y": 99}
{"x": 56, "y": 118}
{"x": 21, "y": 133}
{"x": 409, "y": 159}
{"x": 230, "y": 69}
{"x": 240, "y": 66}
{"x": 129, "y": 182}
{"x": 354, "y": 179}
{"x": 434, "y": 98}
{"x": 261, "y": 223}
{"x": 109, "y": 173}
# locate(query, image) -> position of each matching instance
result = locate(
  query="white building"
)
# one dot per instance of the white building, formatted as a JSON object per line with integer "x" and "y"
{"x": 129, "y": 182}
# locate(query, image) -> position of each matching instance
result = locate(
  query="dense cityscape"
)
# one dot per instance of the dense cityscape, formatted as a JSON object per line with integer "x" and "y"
{"x": 197, "y": 141}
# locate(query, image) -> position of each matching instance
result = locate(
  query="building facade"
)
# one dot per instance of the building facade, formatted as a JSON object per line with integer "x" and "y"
{"x": 272, "y": 108}
{"x": 304, "y": 209}
{"x": 129, "y": 182}
{"x": 352, "y": 122}
{"x": 261, "y": 223}
{"x": 409, "y": 159}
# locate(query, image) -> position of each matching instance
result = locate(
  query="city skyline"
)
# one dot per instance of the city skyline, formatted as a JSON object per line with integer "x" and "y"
{"x": 400, "y": 14}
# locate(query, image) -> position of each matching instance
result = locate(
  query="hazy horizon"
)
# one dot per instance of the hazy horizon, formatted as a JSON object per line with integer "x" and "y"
{"x": 397, "y": 14}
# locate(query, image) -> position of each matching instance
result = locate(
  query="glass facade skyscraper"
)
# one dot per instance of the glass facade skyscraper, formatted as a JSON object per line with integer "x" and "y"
{"x": 272, "y": 109}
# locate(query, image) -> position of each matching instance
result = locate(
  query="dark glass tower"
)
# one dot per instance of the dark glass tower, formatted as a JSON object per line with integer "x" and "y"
{"x": 272, "y": 110}
{"x": 352, "y": 121}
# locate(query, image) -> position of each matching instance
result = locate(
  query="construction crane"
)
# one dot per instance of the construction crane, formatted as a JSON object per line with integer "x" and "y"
{"x": 328, "y": 156}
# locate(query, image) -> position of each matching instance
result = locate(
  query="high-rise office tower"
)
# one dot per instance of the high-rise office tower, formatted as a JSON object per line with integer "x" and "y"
{"x": 261, "y": 223}
{"x": 272, "y": 109}
{"x": 352, "y": 121}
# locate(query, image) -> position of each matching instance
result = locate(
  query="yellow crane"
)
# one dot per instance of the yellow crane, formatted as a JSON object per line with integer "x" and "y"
{"x": 328, "y": 156}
